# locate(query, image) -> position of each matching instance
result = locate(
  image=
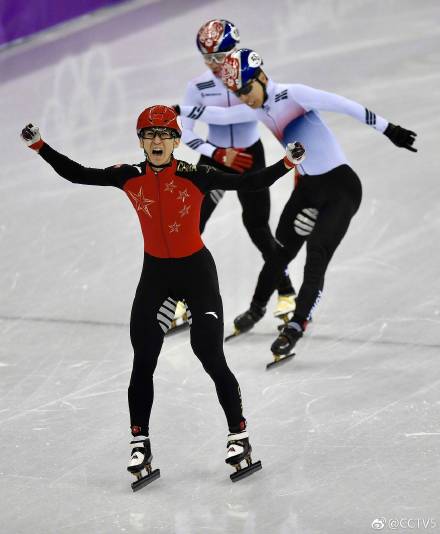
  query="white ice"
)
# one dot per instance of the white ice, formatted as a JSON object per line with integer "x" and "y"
{"x": 349, "y": 431}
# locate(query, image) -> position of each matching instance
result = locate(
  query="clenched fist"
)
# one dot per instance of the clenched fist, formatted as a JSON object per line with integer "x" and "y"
{"x": 31, "y": 136}
{"x": 295, "y": 154}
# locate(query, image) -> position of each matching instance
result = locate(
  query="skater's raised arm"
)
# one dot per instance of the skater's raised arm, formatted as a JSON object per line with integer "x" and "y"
{"x": 310, "y": 98}
{"x": 73, "y": 171}
{"x": 212, "y": 178}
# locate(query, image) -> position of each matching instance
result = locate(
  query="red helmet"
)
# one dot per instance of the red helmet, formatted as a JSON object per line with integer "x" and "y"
{"x": 158, "y": 117}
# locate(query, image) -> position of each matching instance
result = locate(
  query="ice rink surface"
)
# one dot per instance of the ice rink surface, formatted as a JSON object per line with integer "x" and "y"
{"x": 349, "y": 431}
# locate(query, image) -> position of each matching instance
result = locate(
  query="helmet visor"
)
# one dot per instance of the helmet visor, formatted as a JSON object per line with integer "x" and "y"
{"x": 218, "y": 57}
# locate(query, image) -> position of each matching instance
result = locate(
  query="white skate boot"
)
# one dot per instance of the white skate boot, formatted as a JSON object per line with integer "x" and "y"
{"x": 239, "y": 449}
{"x": 140, "y": 462}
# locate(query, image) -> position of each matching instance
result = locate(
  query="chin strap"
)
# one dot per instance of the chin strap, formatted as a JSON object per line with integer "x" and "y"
{"x": 263, "y": 86}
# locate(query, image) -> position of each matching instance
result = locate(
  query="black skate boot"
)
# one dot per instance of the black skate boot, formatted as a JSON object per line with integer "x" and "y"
{"x": 282, "y": 347}
{"x": 240, "y": 449}
{"x": 246, "y": 321}
{"x": 140, "y": 462}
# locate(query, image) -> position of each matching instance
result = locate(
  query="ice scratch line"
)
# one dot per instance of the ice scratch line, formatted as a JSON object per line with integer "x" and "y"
{"x": 422, "y": 434}
{"x": 421, "y": 390}
{"x": 74, "y": 394}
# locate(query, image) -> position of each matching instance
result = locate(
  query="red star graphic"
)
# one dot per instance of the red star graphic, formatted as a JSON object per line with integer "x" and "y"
{"x": 185, "y": 210}
{"x": 170, "y": 186}
{"x": 183, "y": 194}
{"x": 142, "y": 203}
{"x": 174, "y": 227}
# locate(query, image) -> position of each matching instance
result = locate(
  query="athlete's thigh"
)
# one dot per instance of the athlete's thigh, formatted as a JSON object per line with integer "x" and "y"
{"x": 151, "y": 293}
{"x": 286, "y": 233}
{"x": 202, "y": 295}
{"x": 332, "y": 224}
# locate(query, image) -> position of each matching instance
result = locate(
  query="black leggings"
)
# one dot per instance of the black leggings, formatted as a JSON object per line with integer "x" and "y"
{"x": 193, "y": 278}
{"x": 255, "y": 212}
{"x": 337, "y": 195}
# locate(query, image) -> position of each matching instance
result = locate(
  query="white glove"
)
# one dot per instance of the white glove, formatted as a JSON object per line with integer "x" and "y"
{"x": 295, "y": 154}
{"x": 31, "y": 136}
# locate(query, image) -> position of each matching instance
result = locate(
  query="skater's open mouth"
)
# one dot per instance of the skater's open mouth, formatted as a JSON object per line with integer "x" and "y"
{"x": 157, "y": 151}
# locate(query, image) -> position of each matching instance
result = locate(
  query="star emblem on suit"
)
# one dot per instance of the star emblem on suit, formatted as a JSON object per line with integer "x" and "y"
{"x": 185, "y": 210}
{"x": 183, "y": 194}
{"x": 142, "y": 203}
{"x": 170, "y": 186}
{"x": 174, "y": 227}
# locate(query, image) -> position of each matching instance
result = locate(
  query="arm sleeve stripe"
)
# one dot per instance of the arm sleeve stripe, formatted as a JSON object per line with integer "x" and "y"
{"x": 195, "y": 143}
{"x": 370, "y": 117}
{"x": 196, "y": 112}
{"x": 205, "y": 85}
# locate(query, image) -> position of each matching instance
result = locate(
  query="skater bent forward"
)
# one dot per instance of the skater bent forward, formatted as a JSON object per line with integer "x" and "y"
{"x": 328, "y": 192}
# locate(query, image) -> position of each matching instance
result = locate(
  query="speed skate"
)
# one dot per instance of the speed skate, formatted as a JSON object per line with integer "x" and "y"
{"x": 140, "y": 463}
{"x": 238, "y": 453}
{"x": 282, "y": 347}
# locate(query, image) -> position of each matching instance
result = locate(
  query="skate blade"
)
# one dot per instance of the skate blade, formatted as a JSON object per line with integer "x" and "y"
{"x": 280, "y": 358}
{"x": 144, "y": 481}
{"x": 246, "y": 471}
{"x": 177, "y": 328}
{"x": 235, "y": 333}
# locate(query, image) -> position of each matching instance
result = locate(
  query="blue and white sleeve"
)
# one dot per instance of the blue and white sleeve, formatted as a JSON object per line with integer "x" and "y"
{"x": 218, "y": 115}
{"x": 310, "y": 98}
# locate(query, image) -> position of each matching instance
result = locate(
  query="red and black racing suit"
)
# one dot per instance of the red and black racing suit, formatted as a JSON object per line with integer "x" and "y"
{"x": 176, "y": 263}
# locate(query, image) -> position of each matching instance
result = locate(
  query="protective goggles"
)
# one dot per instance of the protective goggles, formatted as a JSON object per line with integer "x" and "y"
{"x": 162, "y": 133}
{"x": 218, "y": 57}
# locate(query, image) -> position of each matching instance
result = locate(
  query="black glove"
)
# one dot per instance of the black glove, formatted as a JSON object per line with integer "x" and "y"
{"x": 176, "y": 109}
{"x": 401, "y": 137}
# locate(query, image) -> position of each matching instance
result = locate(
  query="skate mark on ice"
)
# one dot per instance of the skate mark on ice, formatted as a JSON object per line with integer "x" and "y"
{"x": 74, "y": 394}
{"x": 420, "y": 434}
{"x": 389, "y": 405}
{"x": 62, "y": 321}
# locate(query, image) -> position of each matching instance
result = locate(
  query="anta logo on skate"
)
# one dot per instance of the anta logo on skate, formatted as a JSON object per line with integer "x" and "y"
{"x": 212, "y": 313}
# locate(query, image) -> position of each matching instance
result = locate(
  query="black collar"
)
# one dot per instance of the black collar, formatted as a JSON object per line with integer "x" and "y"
{"x": 159, "y": 167}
